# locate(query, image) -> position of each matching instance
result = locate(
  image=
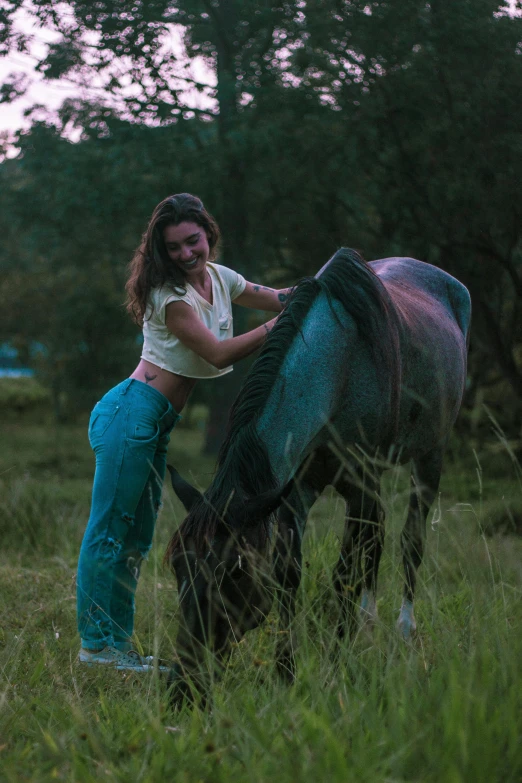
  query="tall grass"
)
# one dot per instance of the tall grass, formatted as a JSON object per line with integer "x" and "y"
{"x": 444, "y": 708}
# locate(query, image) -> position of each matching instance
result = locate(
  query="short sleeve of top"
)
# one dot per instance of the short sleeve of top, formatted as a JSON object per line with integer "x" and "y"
{"x": 163, "y": 349}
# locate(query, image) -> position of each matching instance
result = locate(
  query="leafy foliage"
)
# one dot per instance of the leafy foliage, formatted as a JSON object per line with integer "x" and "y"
{"x": 392, "y": 130}
{"x": 21, "y": 395}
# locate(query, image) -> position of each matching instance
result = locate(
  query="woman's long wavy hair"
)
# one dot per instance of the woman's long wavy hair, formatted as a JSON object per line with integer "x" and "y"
{"x": 151, "y": 266}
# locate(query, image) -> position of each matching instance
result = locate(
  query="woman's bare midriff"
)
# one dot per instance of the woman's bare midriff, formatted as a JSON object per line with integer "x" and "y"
{"x": 176, "y": 388}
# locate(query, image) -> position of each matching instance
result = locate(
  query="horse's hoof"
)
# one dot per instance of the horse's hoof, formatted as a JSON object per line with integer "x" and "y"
{"x": 406, "y": 625}
{"x": 368, "y": 610}
{"x": 407, "y": 632}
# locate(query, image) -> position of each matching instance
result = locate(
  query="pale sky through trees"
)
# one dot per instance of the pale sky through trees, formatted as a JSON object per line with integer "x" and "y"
{"x": 52, "y": 93}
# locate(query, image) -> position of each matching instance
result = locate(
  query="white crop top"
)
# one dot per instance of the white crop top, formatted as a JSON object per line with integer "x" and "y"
{"x": 163, "y": 349}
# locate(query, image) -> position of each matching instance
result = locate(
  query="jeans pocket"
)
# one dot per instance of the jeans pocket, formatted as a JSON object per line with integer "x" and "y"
{"x": 101, "y": 418}
{"x": 143, "y": 426}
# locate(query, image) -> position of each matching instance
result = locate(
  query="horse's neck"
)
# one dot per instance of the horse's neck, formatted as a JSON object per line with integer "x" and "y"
{"x": 306, "y": 391}
{"x": 244, "y": 469}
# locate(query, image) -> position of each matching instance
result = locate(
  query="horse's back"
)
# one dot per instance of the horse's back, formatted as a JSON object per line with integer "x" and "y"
{"x": 377, "y": 375}
{"x": 407, "y": 277}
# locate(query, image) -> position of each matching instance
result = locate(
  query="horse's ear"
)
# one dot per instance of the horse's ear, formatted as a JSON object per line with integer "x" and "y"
{"x": 188, "y": 494}
{"x": 261, "y": 506}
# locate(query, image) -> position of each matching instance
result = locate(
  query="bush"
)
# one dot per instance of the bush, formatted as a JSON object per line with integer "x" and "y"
{"x": 23, "y": 395}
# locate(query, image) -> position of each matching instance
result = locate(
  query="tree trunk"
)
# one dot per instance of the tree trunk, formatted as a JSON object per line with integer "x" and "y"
{"x": 232, "y": 217}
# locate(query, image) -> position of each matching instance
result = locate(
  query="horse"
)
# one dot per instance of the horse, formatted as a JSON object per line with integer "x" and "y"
{"x": 365, "y": 368}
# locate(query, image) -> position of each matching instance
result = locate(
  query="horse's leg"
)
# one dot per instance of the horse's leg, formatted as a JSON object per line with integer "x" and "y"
{"x": 372, "y": 552}
{"x": 425, "y": 478}
{"x": 291, "y": 519}
{"x": 348, "y": 574}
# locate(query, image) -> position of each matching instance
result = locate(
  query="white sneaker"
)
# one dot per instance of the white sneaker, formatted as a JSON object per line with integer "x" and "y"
{"x": 110, "y": 656}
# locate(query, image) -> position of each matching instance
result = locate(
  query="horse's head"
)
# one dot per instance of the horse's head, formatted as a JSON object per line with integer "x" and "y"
{"x": 220, "y": 559}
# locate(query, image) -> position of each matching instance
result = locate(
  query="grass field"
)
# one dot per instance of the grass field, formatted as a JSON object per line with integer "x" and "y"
{"x": 446, "y": 708}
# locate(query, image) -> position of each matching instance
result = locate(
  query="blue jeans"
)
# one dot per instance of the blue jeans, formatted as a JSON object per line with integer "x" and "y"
{"x": 129, "y": 431}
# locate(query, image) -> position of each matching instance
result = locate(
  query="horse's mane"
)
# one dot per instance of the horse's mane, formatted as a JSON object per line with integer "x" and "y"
{"x": 243, "y": 467}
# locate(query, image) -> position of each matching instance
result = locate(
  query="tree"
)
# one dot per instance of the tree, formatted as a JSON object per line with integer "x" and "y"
{"x": 392, "y": 129}
{"x": 71, "y": 216}
{"x": 435, "y": 89}
{"x": 123, "y": 45}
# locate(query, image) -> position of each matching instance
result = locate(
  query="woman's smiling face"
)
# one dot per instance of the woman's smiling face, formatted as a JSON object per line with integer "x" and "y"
{"x": 187, "y": 246}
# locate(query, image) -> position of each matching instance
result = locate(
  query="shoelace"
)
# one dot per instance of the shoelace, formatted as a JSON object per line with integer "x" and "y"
{"x": 139, "y": 658}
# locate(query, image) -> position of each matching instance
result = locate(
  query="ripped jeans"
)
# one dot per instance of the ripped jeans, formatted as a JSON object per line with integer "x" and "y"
{"x": 129, "y": 431}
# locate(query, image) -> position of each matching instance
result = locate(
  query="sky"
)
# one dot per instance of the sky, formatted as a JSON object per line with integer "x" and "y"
{"x": 52, "y": 94}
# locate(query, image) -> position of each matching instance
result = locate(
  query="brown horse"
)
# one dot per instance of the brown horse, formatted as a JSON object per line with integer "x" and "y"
{"x": 365, "y": 368}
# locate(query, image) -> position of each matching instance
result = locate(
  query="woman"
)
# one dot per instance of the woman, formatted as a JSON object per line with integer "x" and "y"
{"x": 182, "y": 299}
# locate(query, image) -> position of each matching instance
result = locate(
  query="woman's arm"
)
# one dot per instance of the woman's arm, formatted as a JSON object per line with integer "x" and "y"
{"x": 182, "y": 321}
{"x": 261, "y": 297}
